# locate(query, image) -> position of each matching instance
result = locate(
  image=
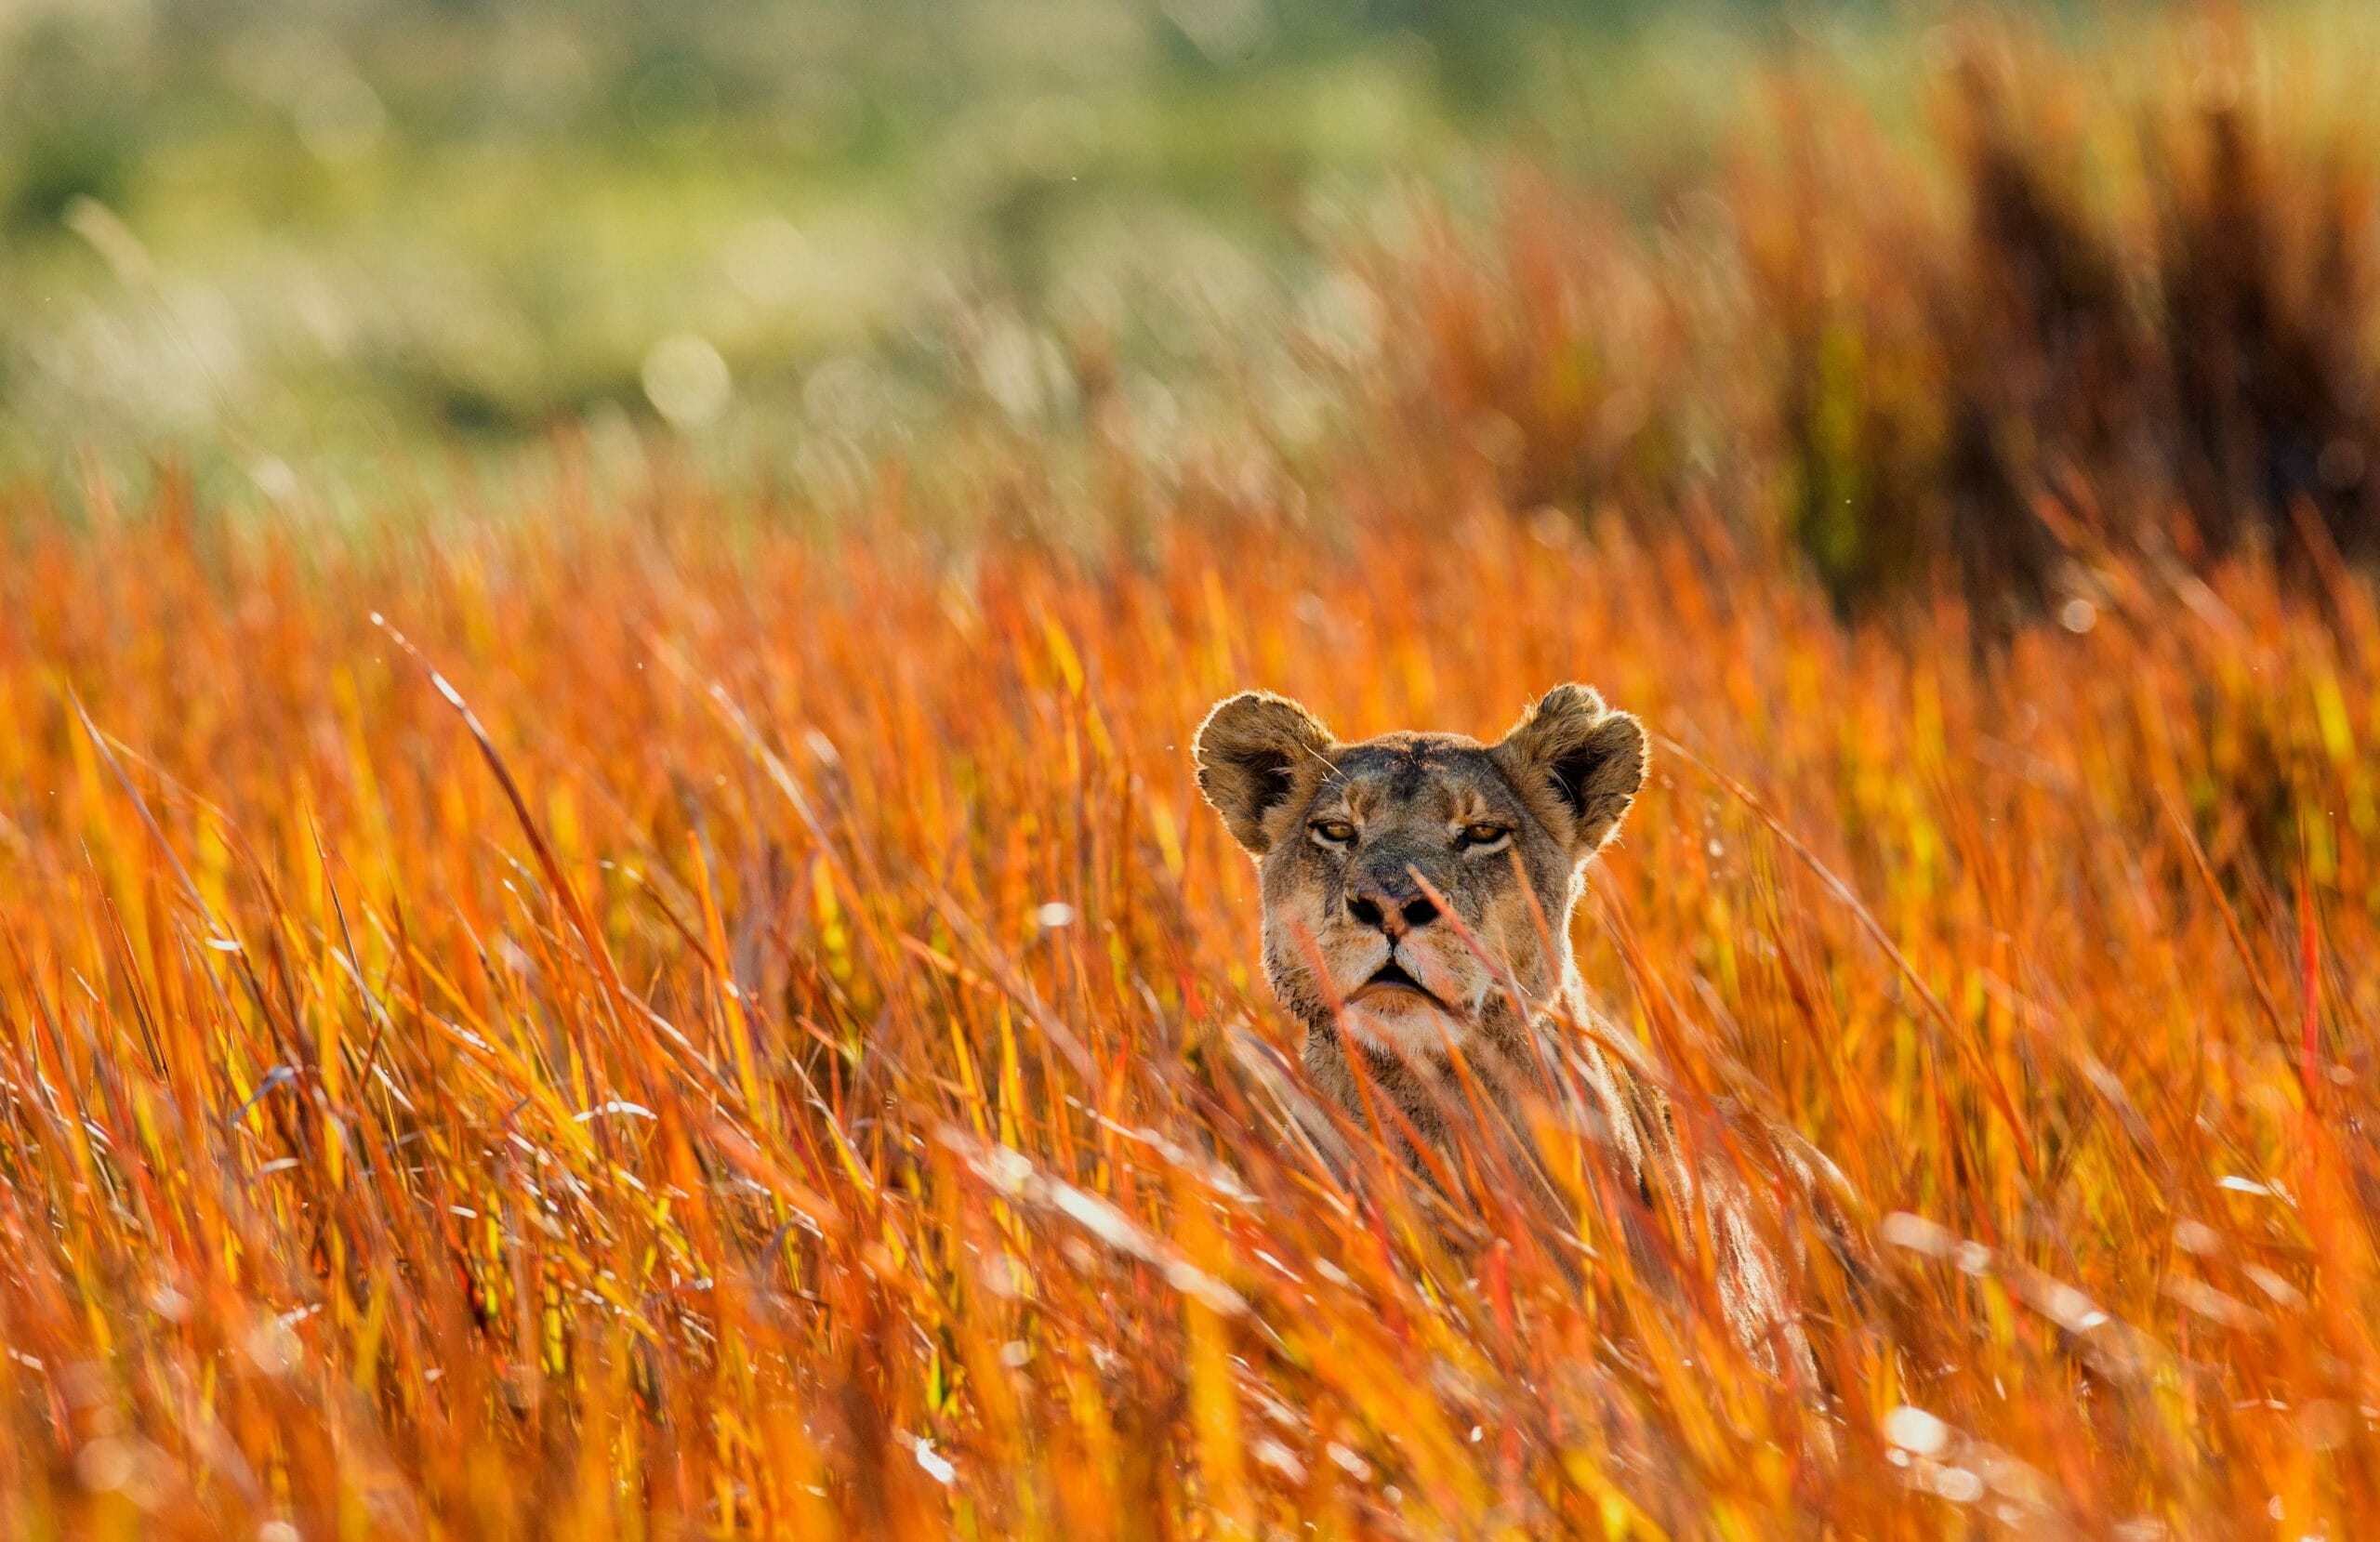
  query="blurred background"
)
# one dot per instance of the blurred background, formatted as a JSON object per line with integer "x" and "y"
{"x": 296, "y": 237}
{"x": 1882, "y": 275}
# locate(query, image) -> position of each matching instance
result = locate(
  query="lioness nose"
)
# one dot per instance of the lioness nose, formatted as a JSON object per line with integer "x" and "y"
{"x": 1395, "y": 909}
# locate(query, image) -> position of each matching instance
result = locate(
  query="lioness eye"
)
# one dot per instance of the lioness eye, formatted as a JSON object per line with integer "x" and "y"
{"x": 1333, "y": 832}
{"x": 1483, "y": 834}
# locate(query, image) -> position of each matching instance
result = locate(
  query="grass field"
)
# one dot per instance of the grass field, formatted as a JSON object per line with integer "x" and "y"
{"x": 632, "y": 996}
{"x": 770, "y": 1043}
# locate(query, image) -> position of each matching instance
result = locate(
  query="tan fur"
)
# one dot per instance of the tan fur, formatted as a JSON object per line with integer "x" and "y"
{"x": 1338, "y": 911}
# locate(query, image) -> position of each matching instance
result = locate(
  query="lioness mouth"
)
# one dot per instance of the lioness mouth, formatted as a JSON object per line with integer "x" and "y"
{"x": 1392, "y": 976}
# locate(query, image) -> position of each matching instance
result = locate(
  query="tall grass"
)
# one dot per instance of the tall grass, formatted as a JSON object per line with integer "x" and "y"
{"x": 596, "y": 1026}
{"x": 606, "y": 1014}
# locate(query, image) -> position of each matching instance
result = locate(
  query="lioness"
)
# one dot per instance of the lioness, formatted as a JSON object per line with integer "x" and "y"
{"x": 1360, "y": 845}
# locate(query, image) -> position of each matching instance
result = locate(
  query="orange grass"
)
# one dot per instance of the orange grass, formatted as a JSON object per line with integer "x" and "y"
{"x": 735, "y": 1137}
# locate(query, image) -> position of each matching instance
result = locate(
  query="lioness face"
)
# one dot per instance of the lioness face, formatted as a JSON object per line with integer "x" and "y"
{"x": 1353, "y": 840}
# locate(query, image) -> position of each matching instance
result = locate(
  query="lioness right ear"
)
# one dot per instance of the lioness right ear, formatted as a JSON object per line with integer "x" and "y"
{"x": 1252, "y": 750}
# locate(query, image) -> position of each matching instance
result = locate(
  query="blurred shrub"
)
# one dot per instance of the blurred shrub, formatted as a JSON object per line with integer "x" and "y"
{"x": 2150, "y": 326}
{"x": 67, "y": 139}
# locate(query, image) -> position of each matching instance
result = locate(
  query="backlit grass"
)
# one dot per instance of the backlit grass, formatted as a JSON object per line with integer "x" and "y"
{"x": 770, "y": 1045}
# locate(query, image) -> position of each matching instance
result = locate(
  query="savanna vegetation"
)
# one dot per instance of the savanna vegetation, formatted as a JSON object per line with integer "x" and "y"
{"x": 649, "y": 963}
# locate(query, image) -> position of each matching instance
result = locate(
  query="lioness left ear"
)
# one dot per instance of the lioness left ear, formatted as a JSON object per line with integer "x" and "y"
{"x": 1253, "y": 752}
{"x": 1578, "y": 761}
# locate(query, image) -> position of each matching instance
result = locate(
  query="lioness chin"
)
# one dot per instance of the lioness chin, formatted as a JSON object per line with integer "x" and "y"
{"x": 1364, "y": 847}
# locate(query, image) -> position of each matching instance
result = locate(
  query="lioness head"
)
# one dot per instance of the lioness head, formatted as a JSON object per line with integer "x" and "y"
{"x": 1343, "y": 835}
